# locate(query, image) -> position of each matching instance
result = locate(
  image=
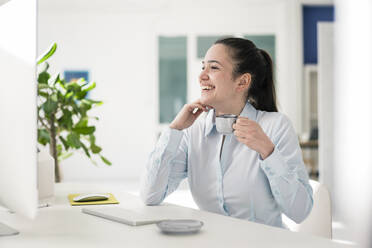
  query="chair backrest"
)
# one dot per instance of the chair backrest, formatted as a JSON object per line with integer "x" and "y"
{"x": 319, "y": 221}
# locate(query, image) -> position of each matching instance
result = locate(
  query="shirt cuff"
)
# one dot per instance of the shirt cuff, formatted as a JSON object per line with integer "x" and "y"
{"x": 274, "y": 164}
{"x": 172, "y": 137}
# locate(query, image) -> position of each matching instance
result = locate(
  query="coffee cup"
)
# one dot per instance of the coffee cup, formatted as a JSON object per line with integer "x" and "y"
{"x": 224, "y": 123}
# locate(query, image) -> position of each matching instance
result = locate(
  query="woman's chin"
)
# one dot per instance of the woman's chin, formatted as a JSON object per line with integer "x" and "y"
{"x": 206, "y": 101}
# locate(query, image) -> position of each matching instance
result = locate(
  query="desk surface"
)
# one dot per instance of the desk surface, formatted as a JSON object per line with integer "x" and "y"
{"x": 64, "y": 226}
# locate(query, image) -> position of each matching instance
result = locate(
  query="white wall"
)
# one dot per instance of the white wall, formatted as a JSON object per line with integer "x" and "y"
{"x": 117, "y": 42}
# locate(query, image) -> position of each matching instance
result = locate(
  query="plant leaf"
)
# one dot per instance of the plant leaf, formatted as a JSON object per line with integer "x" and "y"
{"x": 54, "y": 98}
{"x": 43, "y": 136}
{"x": 95, "y": 149}
{"x": 81, "y": 95}
{"x": 93, "y": 101}
{"x": 43, "y": 77}
{"x": 64, "y": 142}
{"x": 84, "y": 130}
{"x": 69, "y": 94}
{"x": 85, "y": 149}
{"x": 90, "y": 87}
{"x": 75, "y": 109}
{"x": 73, "y": 86}
{"x": 49, "y": 106}
{"x": 61, "y": 83}
{"x": 43, "y": 94}
{"x": 57, "y": 80}
{"x": 105, "y": 160}
{"x": 43, "y": 86}
{"x": 74, "y": 140}
{"x": 59, "y": 149}
{"x": 97, "y": 103}
{"x": 83, "y": 122}
{"x": 65, "y": 155}
{"x": 48, "y": 54}
{"x": 92, "y": 139}
{"x": 84, "y": 107}
{"x": 66, "y": 120}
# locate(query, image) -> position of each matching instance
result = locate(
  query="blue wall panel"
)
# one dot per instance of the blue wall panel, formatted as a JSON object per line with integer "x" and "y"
{"x": 312, "y": 15}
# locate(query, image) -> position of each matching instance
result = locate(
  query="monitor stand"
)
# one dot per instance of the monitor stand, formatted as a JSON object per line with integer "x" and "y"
{"x": 7, "y": 231}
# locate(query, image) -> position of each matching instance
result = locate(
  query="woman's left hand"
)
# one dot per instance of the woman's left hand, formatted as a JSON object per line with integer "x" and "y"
{"x": 251, "y": 134}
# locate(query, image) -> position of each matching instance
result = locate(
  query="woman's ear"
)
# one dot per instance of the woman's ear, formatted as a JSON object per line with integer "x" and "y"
{"x": 244, "y": 82}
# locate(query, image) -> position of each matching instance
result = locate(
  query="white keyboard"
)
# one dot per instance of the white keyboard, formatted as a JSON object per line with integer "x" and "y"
{"x": 122, "y": 215}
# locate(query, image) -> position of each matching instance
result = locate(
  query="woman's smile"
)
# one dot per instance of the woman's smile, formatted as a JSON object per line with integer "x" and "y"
{"x": 207, "y": 88}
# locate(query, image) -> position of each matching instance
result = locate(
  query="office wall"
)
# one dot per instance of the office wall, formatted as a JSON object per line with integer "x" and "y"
{"x": 117, "y": 42}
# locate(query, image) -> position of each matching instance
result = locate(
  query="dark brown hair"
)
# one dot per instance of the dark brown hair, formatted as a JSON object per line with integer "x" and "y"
{"x": 250, "y": 59}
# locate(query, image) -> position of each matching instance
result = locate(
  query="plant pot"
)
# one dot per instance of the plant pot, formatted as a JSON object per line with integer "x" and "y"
{"x": 45, "y": 175}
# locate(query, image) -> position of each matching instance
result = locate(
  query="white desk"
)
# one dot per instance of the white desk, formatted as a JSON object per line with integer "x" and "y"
{"x": 64, "y": 226}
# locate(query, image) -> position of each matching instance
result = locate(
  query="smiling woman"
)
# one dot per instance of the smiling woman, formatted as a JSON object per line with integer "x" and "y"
{"x": 254, "y": 173}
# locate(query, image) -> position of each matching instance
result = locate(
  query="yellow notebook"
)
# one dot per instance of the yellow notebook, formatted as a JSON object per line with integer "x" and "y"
{"x": 110, "y": 200}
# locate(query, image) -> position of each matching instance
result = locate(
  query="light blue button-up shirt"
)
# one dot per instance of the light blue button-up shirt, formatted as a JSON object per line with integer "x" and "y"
{"x": 234, "y": 181}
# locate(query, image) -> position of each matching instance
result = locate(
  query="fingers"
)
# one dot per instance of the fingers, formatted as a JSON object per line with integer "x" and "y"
{"x": 241, "y": 140}
{"x": 205, "y": 105}
{"x": 194, "y": 107}
{"x": 243, "y": 121}
{"x": 239, "y": 134}
{"x": 244, "y": 127}
{"x": 244, "y": 124}
{"x": 240, "y": 126}
{"x": 197, "y": 113}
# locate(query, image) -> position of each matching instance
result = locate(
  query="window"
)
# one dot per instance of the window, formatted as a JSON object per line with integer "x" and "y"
{"x": 204, "y": 43}
{"x": 172, "y": 76}
{"x": 265, "y": 42}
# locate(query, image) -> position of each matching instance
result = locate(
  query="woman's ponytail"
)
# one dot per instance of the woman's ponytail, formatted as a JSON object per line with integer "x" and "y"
{"x": 262, "y": 91}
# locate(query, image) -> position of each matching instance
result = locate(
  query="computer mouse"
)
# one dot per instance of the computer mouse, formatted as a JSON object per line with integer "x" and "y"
{"x": 91, "y": 197}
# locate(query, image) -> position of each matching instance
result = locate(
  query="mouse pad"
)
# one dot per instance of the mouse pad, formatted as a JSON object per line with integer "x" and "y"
{"x": 110, "y": 200}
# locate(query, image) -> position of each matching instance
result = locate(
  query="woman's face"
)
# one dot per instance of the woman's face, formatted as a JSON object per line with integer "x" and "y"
{"x": 217, "y": 85}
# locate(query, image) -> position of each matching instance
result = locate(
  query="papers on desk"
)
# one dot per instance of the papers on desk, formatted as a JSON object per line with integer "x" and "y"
{"x": 122, "y": 215}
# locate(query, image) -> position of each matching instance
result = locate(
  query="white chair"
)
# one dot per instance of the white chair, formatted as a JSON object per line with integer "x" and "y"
{"x": 319, "y": 221}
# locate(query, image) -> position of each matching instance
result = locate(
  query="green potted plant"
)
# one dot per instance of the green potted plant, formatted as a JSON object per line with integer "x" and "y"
{"x": 63, "y": 120}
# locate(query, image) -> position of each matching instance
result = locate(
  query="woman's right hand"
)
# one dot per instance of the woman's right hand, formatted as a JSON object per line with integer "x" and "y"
{"x": 186, "y": 117}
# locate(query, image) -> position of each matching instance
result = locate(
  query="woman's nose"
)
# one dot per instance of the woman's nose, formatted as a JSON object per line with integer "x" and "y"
{"x": 203, "y": 75}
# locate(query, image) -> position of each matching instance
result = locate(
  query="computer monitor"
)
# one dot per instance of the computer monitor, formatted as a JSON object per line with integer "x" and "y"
{"x": 18, "y": 127}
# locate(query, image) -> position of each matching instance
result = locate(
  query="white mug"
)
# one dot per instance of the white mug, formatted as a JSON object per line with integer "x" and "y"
{"x": 224, "y": 123}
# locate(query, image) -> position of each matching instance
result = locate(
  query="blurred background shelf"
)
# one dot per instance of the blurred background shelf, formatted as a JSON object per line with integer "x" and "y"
{"x": 310, "y": 157}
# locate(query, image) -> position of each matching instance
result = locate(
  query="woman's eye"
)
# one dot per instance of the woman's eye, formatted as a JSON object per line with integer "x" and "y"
{"x": 212, "y": 67}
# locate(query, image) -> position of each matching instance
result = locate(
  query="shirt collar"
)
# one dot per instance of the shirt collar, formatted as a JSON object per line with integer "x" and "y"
{"x": 248, "y": 111}
{"x": 210, "y": 122}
